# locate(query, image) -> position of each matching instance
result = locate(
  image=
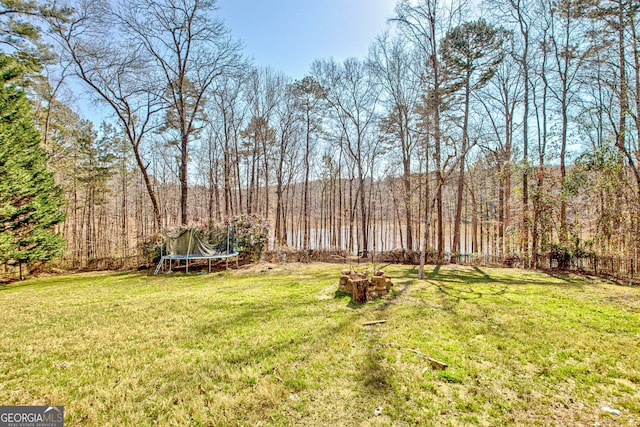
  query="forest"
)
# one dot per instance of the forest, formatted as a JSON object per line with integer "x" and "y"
{"x": 498, "y": 131}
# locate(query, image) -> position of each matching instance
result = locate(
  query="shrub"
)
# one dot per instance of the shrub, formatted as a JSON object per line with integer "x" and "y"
{"x": 151, "y": 248}
{"x": 560, "y": 253}
{"x": 252, "y": 235}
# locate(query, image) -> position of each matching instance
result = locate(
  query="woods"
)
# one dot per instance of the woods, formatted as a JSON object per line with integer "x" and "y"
{"x": 506, "y": 130}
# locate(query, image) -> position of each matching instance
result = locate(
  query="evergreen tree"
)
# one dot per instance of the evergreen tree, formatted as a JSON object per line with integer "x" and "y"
{"x": 29, "y": 199}
{"x": 20, "y": 31}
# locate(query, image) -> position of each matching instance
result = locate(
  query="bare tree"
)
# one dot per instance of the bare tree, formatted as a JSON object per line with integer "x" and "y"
{"x": 226, "y": 116}
{"x": 288, "y": 132}
{"x": 618, "y": 21}
{"x": 352, "y": 95}
{"x": 308, "y": 95}
{"x": 421, "y": 24}
{"x": 521, "y": 10}
{"x": 500, "y": 100}
{"x": 265, "y": 92}
{"x": 565, "y": 28}
{"x": 397, "y": 68}
{"x": 192, "y": 49}
{"x": 470, "y": 52}
{"x": 118, "y": 75}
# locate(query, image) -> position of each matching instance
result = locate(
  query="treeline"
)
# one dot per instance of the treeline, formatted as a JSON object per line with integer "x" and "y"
{"x": 507, "y": 128}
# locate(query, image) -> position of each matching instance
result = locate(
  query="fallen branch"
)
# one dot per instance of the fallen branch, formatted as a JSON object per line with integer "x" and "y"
{"x": 374, "y": 322}
{"x": 436, "y": 364}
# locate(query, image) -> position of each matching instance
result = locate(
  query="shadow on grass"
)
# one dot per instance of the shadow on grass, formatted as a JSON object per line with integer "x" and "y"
{"x": 458, "y": 294}
{"x": 470, "y": 293}
{"x": 434, "y": 273}
{"x": 352, "y": 303}
{"x": 70, "y": 278}
{"x": 411, "y": 273}
{"x": 475, "y": 276}
{"x": 376, "y": 377}
{"x": 14, "y": 285}
{"x": 393, "y": 297}
{"x": 484, "y": 275}
{"x": 458, "y": 284}
{"x": 566, "y": 277}
{"x": 290, "y": 341}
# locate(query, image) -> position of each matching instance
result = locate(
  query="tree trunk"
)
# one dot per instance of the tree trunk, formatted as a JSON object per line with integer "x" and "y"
{"x": 525, "y": 151}
{"x": 436, "y": 138}
{"x": 564, "y": 229}
{"x": 465, "y": 136}
{"x": 147, "y": 183}
{"x": 424, "y": 246}
{"x": 305, "y": 189}
{"x": 406, "y": 176}
{"x": 364, "y": 238}
{"x": 184, "y": 185}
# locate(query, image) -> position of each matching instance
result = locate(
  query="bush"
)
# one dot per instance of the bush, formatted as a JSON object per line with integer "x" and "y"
{"x": 511, "y": 260}
{"x": 560, "y": 253}
{"x": 565, "y": 254}
{"x": 252, "y": 235}
{"x": 151, "y": 249}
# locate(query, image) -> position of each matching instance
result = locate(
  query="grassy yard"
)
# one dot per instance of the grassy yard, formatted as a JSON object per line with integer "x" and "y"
{"x": 273, "y": 345}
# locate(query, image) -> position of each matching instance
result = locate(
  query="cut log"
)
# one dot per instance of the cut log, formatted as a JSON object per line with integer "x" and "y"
{"x": 378, "y": 281}
{"x": 362, "y": 287}
{"x": 436, "y": 364}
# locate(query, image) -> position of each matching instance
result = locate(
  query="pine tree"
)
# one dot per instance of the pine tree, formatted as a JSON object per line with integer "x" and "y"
{"x": 30, "y": 201}
{"x": 21, "y": 32}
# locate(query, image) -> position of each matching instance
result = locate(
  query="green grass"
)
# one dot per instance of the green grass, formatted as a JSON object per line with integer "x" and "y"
{"x": 278, "y": 346}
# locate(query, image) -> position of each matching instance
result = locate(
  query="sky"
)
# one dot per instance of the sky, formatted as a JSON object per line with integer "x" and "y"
{"x": 288, "y": 35}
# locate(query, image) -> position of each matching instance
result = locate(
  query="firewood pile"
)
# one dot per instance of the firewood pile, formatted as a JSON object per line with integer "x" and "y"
{"x": 363, "y": 287}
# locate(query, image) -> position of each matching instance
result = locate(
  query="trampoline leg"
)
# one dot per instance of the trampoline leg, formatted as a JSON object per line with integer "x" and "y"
{"x": 209, "y": 265}
{"x": 187, "y": 261}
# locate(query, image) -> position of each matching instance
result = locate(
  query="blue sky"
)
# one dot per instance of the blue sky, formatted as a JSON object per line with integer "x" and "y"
{"x": 289, "y": 34}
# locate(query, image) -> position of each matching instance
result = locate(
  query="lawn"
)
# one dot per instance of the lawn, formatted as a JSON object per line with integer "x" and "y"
{"x": 274, "y": 345}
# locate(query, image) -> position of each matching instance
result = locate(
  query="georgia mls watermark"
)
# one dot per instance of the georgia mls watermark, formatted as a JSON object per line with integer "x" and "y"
{"x": 31, "y": 416}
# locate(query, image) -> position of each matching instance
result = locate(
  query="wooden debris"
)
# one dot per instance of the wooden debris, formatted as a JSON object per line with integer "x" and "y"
{"x": 374, "y": 322}
{"x": 436, "y": 364}
{"x": 363, "y": 287}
